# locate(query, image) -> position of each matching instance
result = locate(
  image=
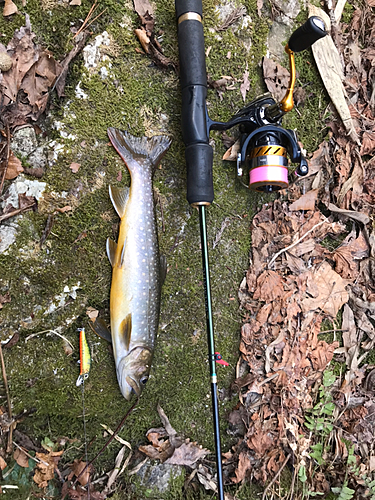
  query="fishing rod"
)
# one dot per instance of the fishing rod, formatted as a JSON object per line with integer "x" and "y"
{"x": 265, "y": 147}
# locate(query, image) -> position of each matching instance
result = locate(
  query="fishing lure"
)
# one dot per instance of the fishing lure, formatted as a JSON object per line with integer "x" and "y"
{"x": 84, "y": 356}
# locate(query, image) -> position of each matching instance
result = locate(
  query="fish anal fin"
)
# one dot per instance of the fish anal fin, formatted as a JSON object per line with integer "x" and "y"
{"x": 100, "y": 328}
{"x": 111, "y": 251}
{"x": 119, "y": 198}
{"x": 126, "y": 330}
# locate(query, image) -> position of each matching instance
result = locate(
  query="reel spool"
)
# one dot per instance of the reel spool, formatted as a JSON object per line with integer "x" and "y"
{"x": 265, "y": 153}
{"x": 268, "y": 162}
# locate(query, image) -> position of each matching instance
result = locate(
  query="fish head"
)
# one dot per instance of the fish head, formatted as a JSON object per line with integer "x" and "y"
{"x": 133, "y": 371}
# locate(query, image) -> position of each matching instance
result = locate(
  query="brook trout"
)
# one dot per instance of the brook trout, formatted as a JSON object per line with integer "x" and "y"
{"x": 136, "y": 275}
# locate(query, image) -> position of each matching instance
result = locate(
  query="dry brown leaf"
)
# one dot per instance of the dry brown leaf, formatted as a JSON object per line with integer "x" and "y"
{"x": 269, "y": 286}
{"x": 245, "y": 85}
{"x": 63, "y": 210}
{"x": 21, "y": 458}
{"x": 187, "y": 454}
{"x": 74, "y": 167}
{"x": 243, "y": 466}
{"x": 143, "y": 39}
{"x": 320, "y": 158}
{"x": 322, "y": 355}
{"x": 143, "y": 6}
{"x": 332, "y": 293}
{"x": 368, "y": 143}
{"x": 276, "y": 78}
{"x": 9, "y": 8}
{"x": 347, "y": 256}
{"x": 5, "y": 299}
{"x": 92, "y": 313}
{"x": 3, "y": 463}
{"x": 232, "y": 153}
{"x": 358, "y": 216}
{"x": 43, "y": 472}
{"x": 77, "y": 468}
{"x": 306, "y": 201}
{"x": 349, "y": 334}
{"x": 162, "y": 452}
{"x": 14, "y": 167}
{"x": 75, "y": 2}
{"x": 259, "y": 7}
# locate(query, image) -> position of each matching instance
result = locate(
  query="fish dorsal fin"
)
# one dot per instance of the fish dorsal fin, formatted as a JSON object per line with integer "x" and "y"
{"x": 119, "y": 198}
{"x": 126, "y": 330}
{"x": 111, "y": 251}
{"x": 163, "y": 269}
{"x": 138, "y": 148}
{"x": 100, "y": 328}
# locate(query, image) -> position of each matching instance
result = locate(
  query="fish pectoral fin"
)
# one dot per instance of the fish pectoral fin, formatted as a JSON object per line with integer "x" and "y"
{"x": 119, "y": 198}
{"x": 100, "y": 328}
{"x": 111, "y": 251}
{"x": 163, "y": 269}
{"x": 126, "y": 330}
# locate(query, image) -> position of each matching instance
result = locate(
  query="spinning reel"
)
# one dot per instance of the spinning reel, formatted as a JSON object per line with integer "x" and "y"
{"x": 265, "y": 146}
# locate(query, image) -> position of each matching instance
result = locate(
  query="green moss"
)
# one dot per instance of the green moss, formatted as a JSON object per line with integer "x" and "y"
{"x": 347, "y": 13}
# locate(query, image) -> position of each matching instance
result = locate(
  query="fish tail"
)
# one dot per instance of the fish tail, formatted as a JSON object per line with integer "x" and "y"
{"x": 139, "y": 148}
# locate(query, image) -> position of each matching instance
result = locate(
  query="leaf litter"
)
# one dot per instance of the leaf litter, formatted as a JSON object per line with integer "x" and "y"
{"x": 311, "y": 265}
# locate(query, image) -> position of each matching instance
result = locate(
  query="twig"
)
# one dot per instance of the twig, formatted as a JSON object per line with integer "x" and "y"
{"x": 10, "y": 437}
{"x": 86, "y": 22}
{"x": 92, "y": 8}
{"x": 17, "y": 211}
{"x": 38, "y": 460}
{"x": 109, "y": 440}
{"x": 333, "y": 331}
{"x": 49, "y": 331}
{"x": 295, "y": 243}
{"x": 6, "y": 159}
{"x": 276, "y": 476}
{"x": 266, "y": 380}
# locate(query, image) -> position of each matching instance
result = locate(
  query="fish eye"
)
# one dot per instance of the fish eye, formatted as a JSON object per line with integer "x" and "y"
{"x": 143, "y": 380}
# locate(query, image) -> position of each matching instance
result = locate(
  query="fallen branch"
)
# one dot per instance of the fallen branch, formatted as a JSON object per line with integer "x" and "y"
{"x": 295, "y": 243}
{"x": 18, "y": 211}
{"x": 276, "y": 476}
{"x": 6, "y": 158}
{"x": 10, "y": 436}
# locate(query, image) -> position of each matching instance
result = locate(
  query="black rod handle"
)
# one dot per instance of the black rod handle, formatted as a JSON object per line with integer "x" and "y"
{"x": 307, "y": 34}
{"x": 193, "y": 79}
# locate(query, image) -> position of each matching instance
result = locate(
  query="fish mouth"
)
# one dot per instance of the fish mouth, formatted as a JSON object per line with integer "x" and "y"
{"x": 133, "y": 384}
{"x": 127, "y": 383}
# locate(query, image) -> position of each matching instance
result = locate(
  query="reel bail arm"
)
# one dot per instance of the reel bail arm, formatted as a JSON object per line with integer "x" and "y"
{"x": 301, "y": 39}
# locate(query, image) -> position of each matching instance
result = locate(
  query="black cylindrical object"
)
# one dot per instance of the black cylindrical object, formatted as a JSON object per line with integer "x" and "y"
{"x": 193, "y": 79}
{"x": 307, "y": 34}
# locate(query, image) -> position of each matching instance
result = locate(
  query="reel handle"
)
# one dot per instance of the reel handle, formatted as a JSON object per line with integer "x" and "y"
{"x": 193, "y": 79}
{"x": 307, "y": 34}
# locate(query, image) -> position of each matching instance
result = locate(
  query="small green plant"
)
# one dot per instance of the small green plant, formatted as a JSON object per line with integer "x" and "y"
{"x": 320, "y": 418}
{"x": 343, "y": 492}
